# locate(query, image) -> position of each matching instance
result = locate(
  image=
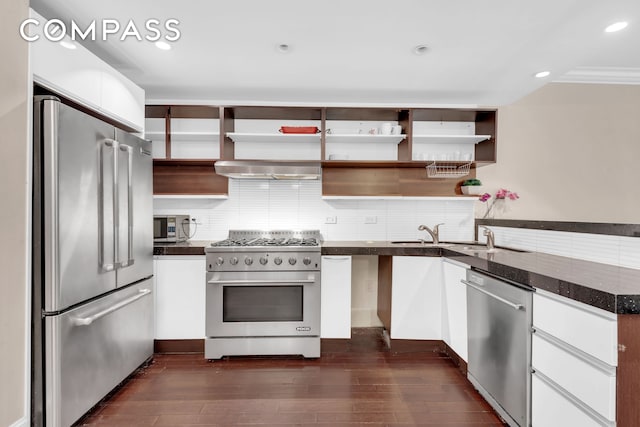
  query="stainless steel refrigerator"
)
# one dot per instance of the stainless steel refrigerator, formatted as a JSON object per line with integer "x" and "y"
{"x": 92, "y": 260}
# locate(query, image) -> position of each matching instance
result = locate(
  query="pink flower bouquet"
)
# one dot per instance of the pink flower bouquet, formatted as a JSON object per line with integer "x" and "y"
{"x": 501, "y": 194}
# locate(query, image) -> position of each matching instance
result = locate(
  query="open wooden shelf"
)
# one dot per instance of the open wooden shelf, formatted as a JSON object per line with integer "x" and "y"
{"x": 400, "y": 173}
{"x": 363, "y": 138}
{"x": 450, "y": 139}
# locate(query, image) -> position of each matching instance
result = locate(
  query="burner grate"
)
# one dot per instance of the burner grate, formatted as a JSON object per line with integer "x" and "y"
{"x": 277, "y": 238}
{"x": 262, "y": 241}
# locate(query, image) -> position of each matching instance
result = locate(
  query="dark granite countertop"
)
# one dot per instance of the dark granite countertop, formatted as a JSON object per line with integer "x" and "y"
{"x": 611, "y": 288}
{"x": 190, "y": 247}
{"x": 378, "y": 247}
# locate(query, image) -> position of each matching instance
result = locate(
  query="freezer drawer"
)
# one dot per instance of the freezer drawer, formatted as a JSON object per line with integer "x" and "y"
{"x": 92, "y": 348}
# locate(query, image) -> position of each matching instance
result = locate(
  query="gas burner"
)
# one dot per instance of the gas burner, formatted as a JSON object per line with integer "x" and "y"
{"x": 253, "y": 250}
{"x": 267, "y": 239}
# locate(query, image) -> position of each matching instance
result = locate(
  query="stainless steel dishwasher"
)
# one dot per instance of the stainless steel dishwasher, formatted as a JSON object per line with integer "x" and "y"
{"x": 499, "y": 336}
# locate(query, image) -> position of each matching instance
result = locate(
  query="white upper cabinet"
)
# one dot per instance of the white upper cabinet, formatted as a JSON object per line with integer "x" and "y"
{"x": 121, "y": 98}
{"x": 84, "y": 78}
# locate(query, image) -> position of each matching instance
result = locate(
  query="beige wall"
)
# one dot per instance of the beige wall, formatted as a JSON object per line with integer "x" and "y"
{"x": 572, "y": 152}
{"x": 14, "y": 159}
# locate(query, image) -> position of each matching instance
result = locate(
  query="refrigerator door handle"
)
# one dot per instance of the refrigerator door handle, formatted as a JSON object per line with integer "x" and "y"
{"x": 129, "y": 260}
{"x": 85, "y": 321}
{"x": 111, "y": 143}
{"x": 50, "y": 199}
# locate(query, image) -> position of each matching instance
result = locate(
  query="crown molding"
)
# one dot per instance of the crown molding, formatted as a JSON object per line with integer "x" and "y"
{"x": 602, "y": 75}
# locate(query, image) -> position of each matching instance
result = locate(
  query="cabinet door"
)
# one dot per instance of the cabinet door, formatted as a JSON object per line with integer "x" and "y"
{"x": 180, "y": 297}
{"x": 74, "y": 73}
{"x": 335, "y": 313}
{"x": 550, "y": 407}
{"x": 578, "y": 375}
{"x": 121, "y": 98}
{"x": 80, "y": 75}
{"x": 454, "y": 308}
{"x": 416, "y": 298}
{"x": 587, "y": 328}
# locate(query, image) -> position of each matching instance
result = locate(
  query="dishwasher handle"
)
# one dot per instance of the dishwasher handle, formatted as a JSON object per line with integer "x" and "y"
{"x": 513, "y": 305}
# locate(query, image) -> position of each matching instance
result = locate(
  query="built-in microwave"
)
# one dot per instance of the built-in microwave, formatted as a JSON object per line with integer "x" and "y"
{"x": 171, "y": 228}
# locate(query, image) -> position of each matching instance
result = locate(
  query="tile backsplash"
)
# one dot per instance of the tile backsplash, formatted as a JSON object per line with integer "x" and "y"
{"x": 265, "y": 204}
{"x": 608, "y": 249}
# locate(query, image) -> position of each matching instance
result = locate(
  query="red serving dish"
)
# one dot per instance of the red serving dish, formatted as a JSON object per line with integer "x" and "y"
{"x": 299, "y": 129}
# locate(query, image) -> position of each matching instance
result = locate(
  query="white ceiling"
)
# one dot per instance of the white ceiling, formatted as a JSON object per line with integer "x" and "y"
{"x": 480, "y": 52}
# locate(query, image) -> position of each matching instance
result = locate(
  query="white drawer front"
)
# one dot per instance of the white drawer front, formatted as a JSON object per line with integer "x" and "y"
{"x": 551, "y": 409}
{"x": 588, "y": 383}
{"x": 591, "y": 330}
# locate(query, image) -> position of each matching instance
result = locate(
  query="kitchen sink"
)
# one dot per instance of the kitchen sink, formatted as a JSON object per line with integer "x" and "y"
{"x": 421, "y": 243}
{"x": 485, "y": 249}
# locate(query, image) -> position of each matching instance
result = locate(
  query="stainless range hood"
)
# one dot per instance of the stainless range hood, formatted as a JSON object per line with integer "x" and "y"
{"x": 265, "y": 169}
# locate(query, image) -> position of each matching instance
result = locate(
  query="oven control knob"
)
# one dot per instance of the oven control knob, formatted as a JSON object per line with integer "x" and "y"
{"x": 292, "y": 261}
{"x": 219, "y": 261}
{"x": 277, "y": 260}
{"x": 248, "y": 260}
{"x": 306, "y": 260}
{"x": 263, "y": 260}
{"x": 233, "y": 261}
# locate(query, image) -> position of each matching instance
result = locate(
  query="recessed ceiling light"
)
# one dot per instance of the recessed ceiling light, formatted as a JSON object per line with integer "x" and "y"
{"x": 284, "y": 48}
{"x": 163, "y": 45}
{"x": 542, "y": 74}
{"x": 616, "y": 27}
{"x": 420, "y": 49}
{"x": 68, "y": 45}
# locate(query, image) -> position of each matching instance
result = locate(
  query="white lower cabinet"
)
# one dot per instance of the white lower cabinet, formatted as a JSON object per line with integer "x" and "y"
{"x": 335, "y": 309}
{"x": 416, "y": 298}
{"x": 180, "y": 296}
{"x": 454, "y": 307}
{"x": 552, "y": 408}
{"x": 573, "y": 359}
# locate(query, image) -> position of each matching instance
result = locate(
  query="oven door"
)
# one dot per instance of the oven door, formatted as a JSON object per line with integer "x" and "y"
{"x": 263, "y": 304}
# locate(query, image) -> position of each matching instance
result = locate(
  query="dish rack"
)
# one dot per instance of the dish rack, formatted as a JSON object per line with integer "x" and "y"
{"x": 447, "y": 170}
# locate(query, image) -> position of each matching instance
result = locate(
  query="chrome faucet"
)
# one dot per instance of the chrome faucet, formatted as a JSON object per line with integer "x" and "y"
{"x": 433, "y": 232}
{"x": 491, "y": 238}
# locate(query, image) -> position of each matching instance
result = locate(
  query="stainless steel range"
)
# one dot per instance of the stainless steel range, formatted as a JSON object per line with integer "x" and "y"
{"x": 263, "y": 294}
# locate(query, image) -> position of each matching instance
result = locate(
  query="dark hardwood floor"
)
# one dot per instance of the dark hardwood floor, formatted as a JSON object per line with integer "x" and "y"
{"x": 355, "y": 382}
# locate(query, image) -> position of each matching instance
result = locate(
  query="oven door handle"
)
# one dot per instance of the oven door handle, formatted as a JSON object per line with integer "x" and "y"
{"x": 258, "y": 282}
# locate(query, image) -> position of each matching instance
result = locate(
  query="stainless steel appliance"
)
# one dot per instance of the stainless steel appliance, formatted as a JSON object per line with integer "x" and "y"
{"x": 268, "y": 169}
{"x": 92, "y": 260}
{"x": 263, "y": 294}
{"x": 499, "y": 337}
{"x": 171, "y": 228}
